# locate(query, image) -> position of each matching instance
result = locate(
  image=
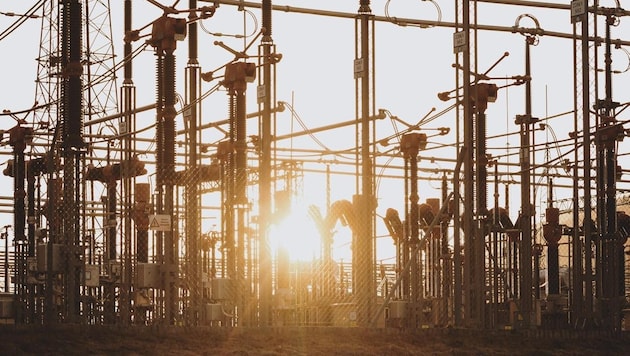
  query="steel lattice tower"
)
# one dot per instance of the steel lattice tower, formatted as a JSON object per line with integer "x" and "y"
{"x": 95, "y": 80}
{"x": 98, "y": 59}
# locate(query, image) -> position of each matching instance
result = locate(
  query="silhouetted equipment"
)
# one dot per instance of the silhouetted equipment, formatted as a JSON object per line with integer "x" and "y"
{"x": 393, "y": 224}
{"x": 623, "y": 222}
{"x": 503, "y": 221}
{"x": 94, "y": 245}
{"x": 237, "y": 75}
{"x": 482, "y": 94}
{"x": 425, "y": 215}
{"x": 140, "y": 215}
{"x": 552, "y": 232}
{"x": 166, "y": 31}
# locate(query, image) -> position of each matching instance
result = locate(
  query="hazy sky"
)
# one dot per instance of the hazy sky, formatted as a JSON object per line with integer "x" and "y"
{"x": 315, "y": 74}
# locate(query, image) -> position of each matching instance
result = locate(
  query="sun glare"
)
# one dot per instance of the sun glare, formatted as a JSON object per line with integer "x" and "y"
{"x": 298, "y": 234}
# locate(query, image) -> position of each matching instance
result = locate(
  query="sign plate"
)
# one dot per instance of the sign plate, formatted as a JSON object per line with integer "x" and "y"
{"x": 578, "y": 8}
{"x": 459, "y": 41}
{"x": 160, "y": 222}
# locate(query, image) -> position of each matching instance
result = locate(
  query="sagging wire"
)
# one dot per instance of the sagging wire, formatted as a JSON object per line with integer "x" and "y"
{"x": 532, "y": 35}
{"x": 393, "y": 120}
{"x": 379, "y": 175}
{"x": 304, "y": 127}
{"x": 220, "y": 34}
{"x": 555, "y": 139}
{"x": 397, "y": 21}
{"x": 625, "y": 69}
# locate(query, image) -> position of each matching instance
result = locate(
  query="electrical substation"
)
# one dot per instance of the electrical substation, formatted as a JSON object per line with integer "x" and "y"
{"x": 128, "y": 212}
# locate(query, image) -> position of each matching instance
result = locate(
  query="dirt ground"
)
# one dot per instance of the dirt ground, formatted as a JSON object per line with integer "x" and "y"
{"x": 91, "y": 340}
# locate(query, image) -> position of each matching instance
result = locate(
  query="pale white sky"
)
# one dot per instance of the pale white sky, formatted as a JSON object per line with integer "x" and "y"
{"x": 316, "y": 74}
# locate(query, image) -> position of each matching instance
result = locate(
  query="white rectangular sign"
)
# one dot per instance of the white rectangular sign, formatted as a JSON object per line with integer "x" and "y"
{"x": 160, "y": 222}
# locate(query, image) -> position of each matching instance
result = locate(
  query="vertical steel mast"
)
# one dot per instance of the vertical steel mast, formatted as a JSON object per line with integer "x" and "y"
{"x": 472, "y": 271}
{"x": 192, "y": 199}
{"x": 582, "y": 239}
{"x": 127, "y": 126}
{"x": 266, "y": 126}
{"x": 165, "y": 33}
{"x": 362, "y": 256}
{"x": 72, "y": 145}
{"x": 525, "y": 123}
{"x": 75, "y": 46}
{"x": 610, "y": 243}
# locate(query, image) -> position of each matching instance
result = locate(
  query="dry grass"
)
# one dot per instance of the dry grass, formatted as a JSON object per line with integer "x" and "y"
{"x": 93, "y": 340}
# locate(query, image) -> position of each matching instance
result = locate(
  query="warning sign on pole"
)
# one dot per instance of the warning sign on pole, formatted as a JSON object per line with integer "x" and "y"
{"x": 160, "y": 222}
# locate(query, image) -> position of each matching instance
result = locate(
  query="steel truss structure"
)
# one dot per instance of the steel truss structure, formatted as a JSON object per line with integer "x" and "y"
{"x": 95, "y": 244}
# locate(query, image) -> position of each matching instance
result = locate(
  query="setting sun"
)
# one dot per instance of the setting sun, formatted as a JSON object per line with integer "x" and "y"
{"x": 298, "y": 234}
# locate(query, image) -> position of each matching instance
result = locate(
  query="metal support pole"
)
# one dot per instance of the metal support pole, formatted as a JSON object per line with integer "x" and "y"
{"x": 266, "y": 161}
{"x": 192, "y": 199}
{"x": 72, "y": 145}
{"x": 610, "y": 290}
{"x": 525, "y": 249}
{"x": 364, "y": 276}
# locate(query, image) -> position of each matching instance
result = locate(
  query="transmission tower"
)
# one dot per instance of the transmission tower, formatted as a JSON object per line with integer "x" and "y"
{"x": 75, "y": 84}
